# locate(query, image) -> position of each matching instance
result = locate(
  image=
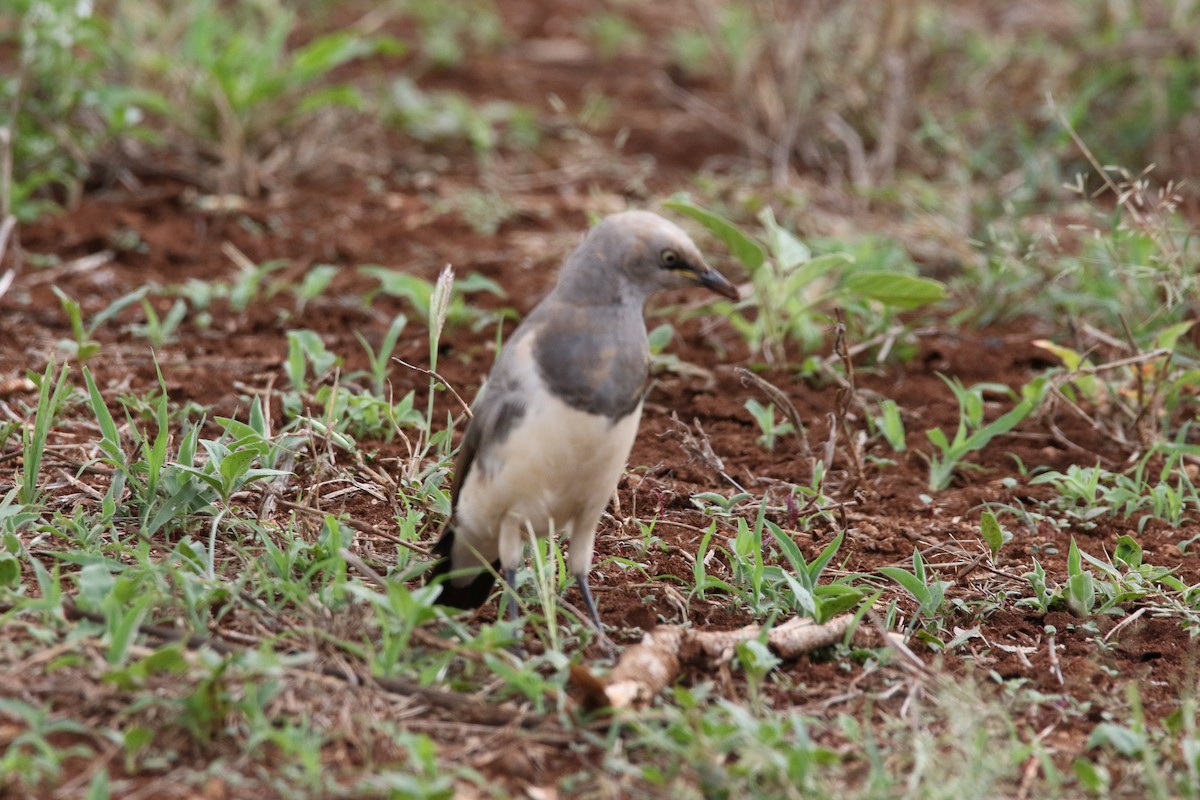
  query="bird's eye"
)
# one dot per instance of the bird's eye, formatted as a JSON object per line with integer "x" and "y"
{"x": 669, "y": 259}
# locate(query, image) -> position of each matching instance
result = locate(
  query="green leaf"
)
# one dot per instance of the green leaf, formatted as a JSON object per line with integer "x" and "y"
{"x": 1092, "y": 777}
{"x": 1125, "y": 741}
{"x": 1167, "y": 337}
{"x": 233, "y": 468}
{"x": 990, "y": 532}
{"x": 95, "y": 584}
{"x": 10, "y": 570}
{"x": 744, "y": 249}
{"x": 894, "y": 289}
{"x": 910, "y": 582}
{"x": 1128, "y": 552}
{"x": 834, "y": 599}
{"x": 789, "y": 252}
{"x": 116, "y": 307}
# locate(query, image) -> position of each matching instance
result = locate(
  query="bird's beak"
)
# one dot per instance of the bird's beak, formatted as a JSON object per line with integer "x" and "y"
{"x": 709, "y": 278}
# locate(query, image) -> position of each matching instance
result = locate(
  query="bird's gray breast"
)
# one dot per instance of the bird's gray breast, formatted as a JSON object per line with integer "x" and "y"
{"x": 594, "y": 360}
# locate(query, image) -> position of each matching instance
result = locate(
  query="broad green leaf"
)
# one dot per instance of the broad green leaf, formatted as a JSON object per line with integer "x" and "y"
{"x": 1167, "y": 338}
{"x": 1124, "y": 740}
{"x": 10, "y": 570}
{"x": 744, "y": 249}
{"x": 788, "y": 251}
{"x": 1128, "y": 552}
{"x": 894, "y": 289}
{"x": 835, "y": 598}
{"x": 910, "y": 582}
{"x": 990, "y": 532}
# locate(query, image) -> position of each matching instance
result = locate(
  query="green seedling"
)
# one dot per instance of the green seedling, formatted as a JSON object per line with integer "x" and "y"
{"x": 238, "y": 78}
{"x": 1044, "y": 595}
{"x": 929, "y": 592}
{"x": 443, "y": 117}
{"x": 972, "y": 434}
{"x": 712, "y": 503}
{"x": 419, "y": 293}
{"x": 891, "y": 425}
{"x": 160, "y": 330}
{"x": 65, "y": 99}
{"x": 361, "y": 415}
{"x": 771, "y": 428}
{"x": 315, "y": 282}
{"x": 379, "y": 359}
{"x": 52, "y": 394}
{"x": 305, "y": 349}
{"x": 35, "y": 753}
{"x": 83, "y": 346}
{"x": 993, "y": 535}
{"x": 1087, "y": 494}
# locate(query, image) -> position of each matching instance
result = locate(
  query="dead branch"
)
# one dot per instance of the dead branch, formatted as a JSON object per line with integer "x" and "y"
{"x": 646, "y": 669}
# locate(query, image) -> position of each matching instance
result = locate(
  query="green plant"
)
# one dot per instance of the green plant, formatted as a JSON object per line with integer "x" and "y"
{"x": 305, "y": 349}
{"x": 33, "y": 756}
{"x": 922, "y": 584}
{"x": 379, "y": 359}
{"x": 1087, "y": 494}
{"x": 445, "y": 117}
{"x": 891, "y": 425}
{"x": 51, "y": 397}
{"x": 993, "y": 535}
{"x": 60, "y": 103}
{"x": 82, "y": 346}
{"x": 771, "y": 428}
{"x": 316, "y": 280}
{"x": 612, "y": 34}
{"x": 769, "y": 572}
{"x": 419, "y": 293}
{"x": 236, "y": 87}
{"x": 792, "y": 287}
{"x": 160, "y": 330}
{"x": 973, "y": 434}
{"x": 449, "y": 32}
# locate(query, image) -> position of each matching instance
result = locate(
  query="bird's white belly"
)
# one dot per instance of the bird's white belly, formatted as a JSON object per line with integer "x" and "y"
{"x": 559, "y": 464}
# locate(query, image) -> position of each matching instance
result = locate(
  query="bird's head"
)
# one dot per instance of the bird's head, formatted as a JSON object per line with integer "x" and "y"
{"x": 639, "y": 253}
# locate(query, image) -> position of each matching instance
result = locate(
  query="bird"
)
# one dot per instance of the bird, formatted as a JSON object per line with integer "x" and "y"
{"x": 551, "y": 431}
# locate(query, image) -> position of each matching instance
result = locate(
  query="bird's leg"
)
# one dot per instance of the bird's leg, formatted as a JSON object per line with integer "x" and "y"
{"x": 508, "y": 597}
{"x": 586, "y": 591}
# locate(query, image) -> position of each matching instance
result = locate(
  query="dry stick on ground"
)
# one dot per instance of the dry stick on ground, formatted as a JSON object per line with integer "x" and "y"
{"x": 699, "y": 448}
{"x": 648, "y": 668}
{"x": 845, "y": 397}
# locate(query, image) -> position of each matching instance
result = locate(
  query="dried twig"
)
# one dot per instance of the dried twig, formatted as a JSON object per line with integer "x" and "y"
{"x": 648, "y": 668}
{"x": 699, "y": 448}
{"x": 845, "y": 397}
{"x": 779, "y": 398}
{"x": 433, "y": 374}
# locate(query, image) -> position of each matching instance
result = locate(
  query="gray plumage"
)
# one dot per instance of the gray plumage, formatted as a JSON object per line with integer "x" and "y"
{"x": 550, "y": 434}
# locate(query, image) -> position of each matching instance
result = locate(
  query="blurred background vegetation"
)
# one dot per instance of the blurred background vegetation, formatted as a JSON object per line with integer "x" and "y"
{"x": 976, "y": 99}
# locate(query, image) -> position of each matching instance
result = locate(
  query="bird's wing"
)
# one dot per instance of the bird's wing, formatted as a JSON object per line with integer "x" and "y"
{"x": 496, "y": 413}
{"x": 594, "y": 360}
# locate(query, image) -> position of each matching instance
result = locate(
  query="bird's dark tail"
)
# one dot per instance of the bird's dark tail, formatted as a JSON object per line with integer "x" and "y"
{"x": 473, "y": 594}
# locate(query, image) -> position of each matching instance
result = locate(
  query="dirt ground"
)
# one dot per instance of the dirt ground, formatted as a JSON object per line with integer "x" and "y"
{"x": 396, "y": 214}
